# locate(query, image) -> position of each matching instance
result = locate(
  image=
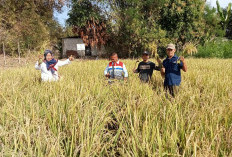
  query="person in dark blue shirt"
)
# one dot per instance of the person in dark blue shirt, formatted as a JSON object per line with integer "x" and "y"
{"x": 171, "y": 70}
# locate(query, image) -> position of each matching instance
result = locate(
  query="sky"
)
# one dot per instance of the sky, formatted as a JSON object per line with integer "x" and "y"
{"x": 62, "y": 17}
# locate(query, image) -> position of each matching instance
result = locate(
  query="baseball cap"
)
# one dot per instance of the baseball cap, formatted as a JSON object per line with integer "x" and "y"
{"x": 171, "y": 46}
{"x": 145, "y": 53}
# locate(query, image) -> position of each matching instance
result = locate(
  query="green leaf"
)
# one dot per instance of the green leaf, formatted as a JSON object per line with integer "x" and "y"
{"x": 228, "y": 13}
{"x": 219, "y": 9}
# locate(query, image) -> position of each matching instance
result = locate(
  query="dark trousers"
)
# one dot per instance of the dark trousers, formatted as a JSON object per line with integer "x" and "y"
{"x": 172, "y": 90}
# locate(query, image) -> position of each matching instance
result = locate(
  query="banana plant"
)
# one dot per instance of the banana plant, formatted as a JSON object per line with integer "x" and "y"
{"x": 225, "y": 18}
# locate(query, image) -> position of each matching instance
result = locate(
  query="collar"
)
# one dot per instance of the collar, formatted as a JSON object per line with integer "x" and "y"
{"x": 117, "y": 62}
{"x": 175, "y": 56}
{"x": 146, "y": 62}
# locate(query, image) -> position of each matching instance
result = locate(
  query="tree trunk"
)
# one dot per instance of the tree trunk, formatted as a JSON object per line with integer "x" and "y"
{"x": 4, "y": 53}
{"x": 29, "y": 49}
{"x": 19, "y": 52}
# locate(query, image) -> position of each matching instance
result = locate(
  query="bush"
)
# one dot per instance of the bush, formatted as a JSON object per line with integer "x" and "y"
{"x": 222, "y": 49}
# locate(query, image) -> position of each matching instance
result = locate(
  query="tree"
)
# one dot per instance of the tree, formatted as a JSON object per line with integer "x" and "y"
{"x": 224, "y": 15}
{"x": 88, "y": 23}
{"x": 225, "y": 18}
{"x": 229, "y": 29}
{"x": 212, "y": 24}
{"x": 183, "y": 20}
{"x": 29, "y": 22}
{"x": 132, "y": 25}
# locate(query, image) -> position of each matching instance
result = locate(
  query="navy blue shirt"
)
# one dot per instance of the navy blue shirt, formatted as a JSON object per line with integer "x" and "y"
{"x": 172, "y": 71}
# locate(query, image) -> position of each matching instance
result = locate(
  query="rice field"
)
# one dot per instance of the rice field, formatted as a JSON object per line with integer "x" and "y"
{"x": 82, "y": 115}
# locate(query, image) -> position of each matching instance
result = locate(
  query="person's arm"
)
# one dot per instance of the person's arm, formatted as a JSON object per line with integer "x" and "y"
{"x": 158, "y": 68}
{"x": 162, "y": 70}
{"x": 37, "y": 66}
{"x": 106, "y": 71}
{"x": 62, "y": 63}
{"x": 125, "y": 72}
{"x": 38, "y": 63}
{"x": 67, "y": 61}
{"x": 183, "y": 64}
{"x": 136, "y": 70}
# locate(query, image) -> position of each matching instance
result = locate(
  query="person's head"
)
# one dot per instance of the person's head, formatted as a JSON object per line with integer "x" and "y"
{"x": 114, "y": 57}
{"x": 48, "y": 55}
{"x": 145, "y": 56}
{"x": 170, "y": 50}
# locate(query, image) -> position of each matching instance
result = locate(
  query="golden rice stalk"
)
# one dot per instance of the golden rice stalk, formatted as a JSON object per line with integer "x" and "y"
{"x": 190, "y": 49}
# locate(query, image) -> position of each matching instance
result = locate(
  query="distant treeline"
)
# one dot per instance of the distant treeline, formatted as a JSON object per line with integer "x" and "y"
{"x": 126, "y": 26}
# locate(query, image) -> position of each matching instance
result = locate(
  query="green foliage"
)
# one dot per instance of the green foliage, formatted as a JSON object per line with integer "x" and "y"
{"x": 130, "y": 26}
{"x": 183, "y": 20}
{"x": 135, "y": 27}
{"x": 150, "y": 24}
{"x": 225, "y": 19}
{"x": 212, "y": 24}
{"x": 224, "y": 16}
{"x": 81, "y": 12}
{"x": 219, "y": 49}
{"x": 229, "y": 29}
{"x": 29, "y": 23}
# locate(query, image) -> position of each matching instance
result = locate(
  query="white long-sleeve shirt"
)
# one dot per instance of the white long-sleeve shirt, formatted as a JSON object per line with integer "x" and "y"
{"x": 116, "y": 70}
{"x": 47, "y": 75}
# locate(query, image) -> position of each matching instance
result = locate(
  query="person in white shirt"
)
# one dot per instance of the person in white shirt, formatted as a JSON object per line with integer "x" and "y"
{"x": 116, "y": 69}
{"x": 49, "y": 67}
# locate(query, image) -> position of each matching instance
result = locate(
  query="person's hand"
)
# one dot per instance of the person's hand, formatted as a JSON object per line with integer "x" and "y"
{"x": 40, "y": 59}
{"x": 182, "y": 59}
{"x": 107, "y": 75}
{"x": 71, "y": 58}
{"x": 162, "y": 70}
{"x": 184, "y": 68}
{"x": 134, "y": 70}
{"x": 125, "y": 79}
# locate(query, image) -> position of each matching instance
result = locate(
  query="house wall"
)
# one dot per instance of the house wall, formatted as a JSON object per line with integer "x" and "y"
{"x": 70, "y": 44}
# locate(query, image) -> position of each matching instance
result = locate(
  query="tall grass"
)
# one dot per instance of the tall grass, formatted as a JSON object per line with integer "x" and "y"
{"x": 83, "y": 116}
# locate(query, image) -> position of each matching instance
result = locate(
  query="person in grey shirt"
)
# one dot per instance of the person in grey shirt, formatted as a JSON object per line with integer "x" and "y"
{"x": 146, "y": 67}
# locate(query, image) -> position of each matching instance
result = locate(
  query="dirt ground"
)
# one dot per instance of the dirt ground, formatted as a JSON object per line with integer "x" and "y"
{"x": 12, "y": 62}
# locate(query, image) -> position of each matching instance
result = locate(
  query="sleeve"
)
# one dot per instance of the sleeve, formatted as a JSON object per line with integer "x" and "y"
{"x": 163, "y": 64}
{"x": 137, "y": 70}
{"x": 37, "y": 66}
{"x": 125, "y": 71}
{"x": 180, "y": 65}
{"x": 106, "y": 70}
{"x": 157, "y": 68}
{"x": 62, "y": 63}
